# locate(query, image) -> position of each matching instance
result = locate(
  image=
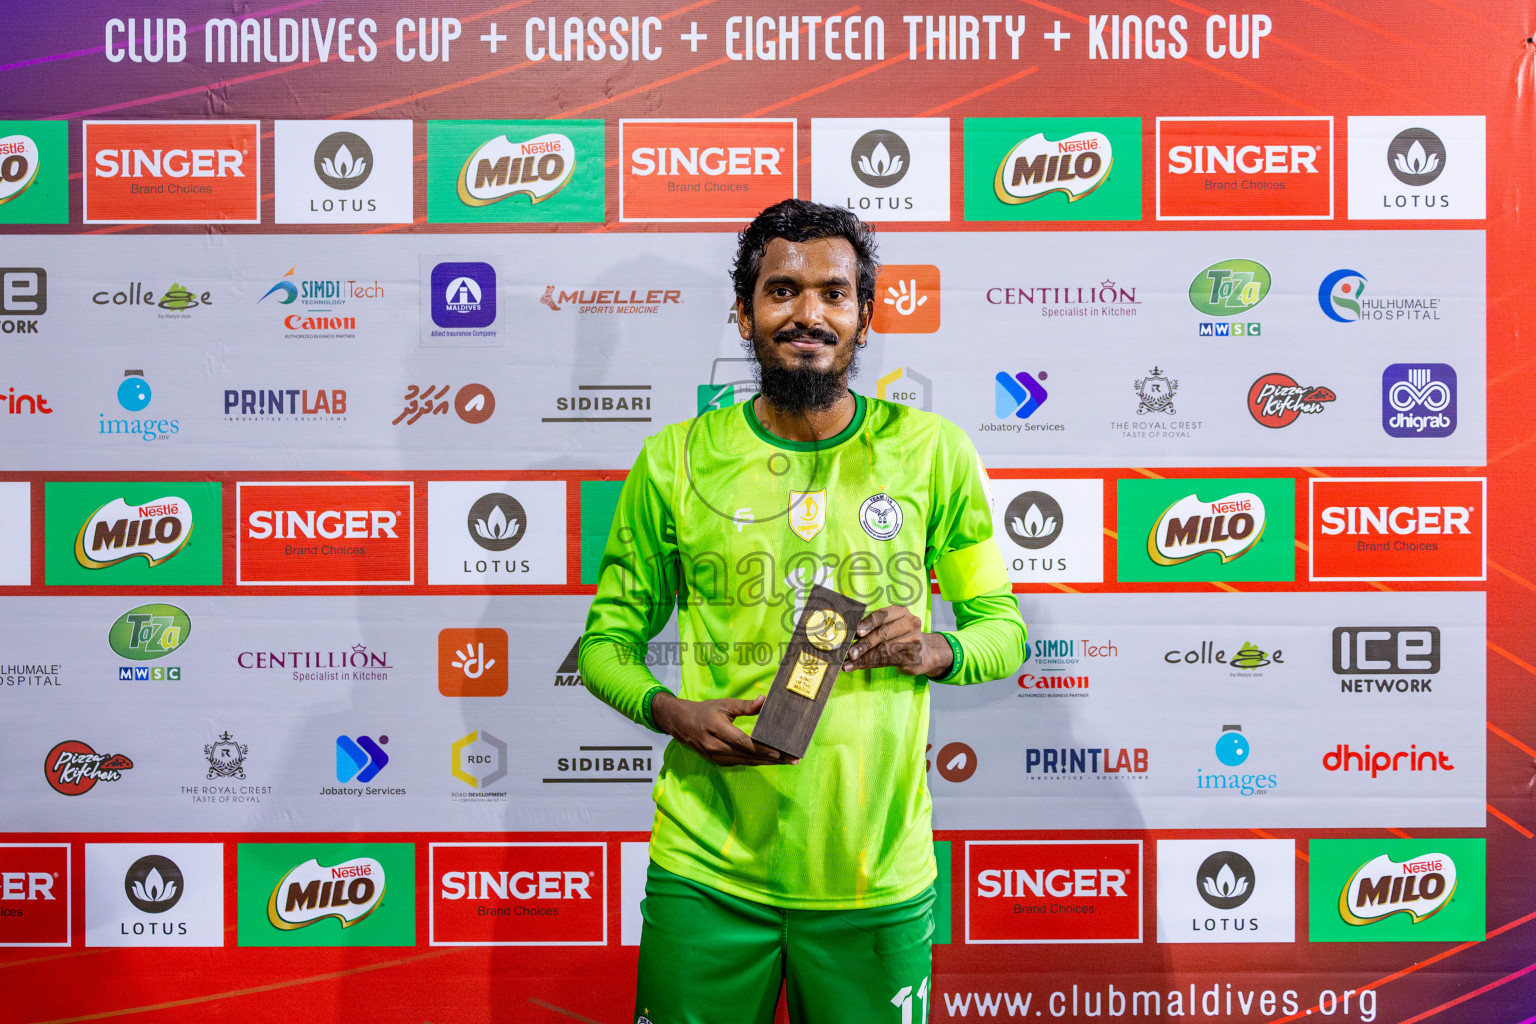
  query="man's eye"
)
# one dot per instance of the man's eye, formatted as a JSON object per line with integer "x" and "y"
{"x": 836, "y": 296}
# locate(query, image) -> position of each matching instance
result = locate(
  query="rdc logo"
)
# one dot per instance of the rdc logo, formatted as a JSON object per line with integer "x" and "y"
{"x": 1418, "y": 400}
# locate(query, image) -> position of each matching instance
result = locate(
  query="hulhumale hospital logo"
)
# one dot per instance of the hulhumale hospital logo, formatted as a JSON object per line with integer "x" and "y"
{"x": 1339, "y": 295}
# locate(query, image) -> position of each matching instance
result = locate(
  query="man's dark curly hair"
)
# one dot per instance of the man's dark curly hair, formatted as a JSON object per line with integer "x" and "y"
{"x": 800, "y": 220}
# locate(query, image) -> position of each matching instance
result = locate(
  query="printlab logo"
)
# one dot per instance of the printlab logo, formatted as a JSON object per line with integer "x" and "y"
{"x": 1339, "y": 295}
{"x": 1034, "y": 520}
{"x": 226, "y": 757}
{"x": 73, "y": 767}
{"x": 907, "y": 299}
{"x": 154, "y": 884}
{"x": 1275, "y": 400}
{"x": 343, "y": 160}
{"x": 1418, "y": 400}
{"x": 474, "y": 403}
{"x": 472, "y": 662}
{"x": 360, "y": 758}
{"x": 34, "y": 162}
{"x": 1416, "y": 156}
{"x": 1019, "y": 396}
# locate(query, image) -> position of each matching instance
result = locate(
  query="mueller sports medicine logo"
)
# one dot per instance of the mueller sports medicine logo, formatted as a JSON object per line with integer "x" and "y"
{"x": 1189, "y": 528}
{"x": 518, "y": 894}
{"x": 348, "y": 892}
{"x": 701, "y": 170}
{"x": 324, "y": 534}
{"x": 1260, "y": 168}
{"x": 1027, "y": 891}
{"x": 73, "y": 768}
{"x": 1073, "y": 166}
{"x": 1398, "y": 528}
{"x": 537, "y": 168}
{"x": 610, "y": 301}
{"x": 174, "y": 172}
{"x": 117, "y": 531}
{"x": 1418, "y": 400}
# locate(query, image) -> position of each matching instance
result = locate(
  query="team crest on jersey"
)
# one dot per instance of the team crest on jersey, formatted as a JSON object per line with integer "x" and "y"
{"x": 880, "y": 515}
{"x": 807, "y": 512}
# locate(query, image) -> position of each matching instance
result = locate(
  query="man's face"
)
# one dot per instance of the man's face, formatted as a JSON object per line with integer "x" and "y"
{"x": 805, "y": 319}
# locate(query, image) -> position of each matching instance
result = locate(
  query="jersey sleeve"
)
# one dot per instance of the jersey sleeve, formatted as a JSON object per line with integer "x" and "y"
{"x": 989, "y": 641}
{"x": 636, "y": 591}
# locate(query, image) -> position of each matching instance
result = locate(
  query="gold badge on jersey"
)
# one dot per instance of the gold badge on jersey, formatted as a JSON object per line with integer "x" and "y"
{"x": 805, "y": 678}
{"x": 807, "y": 512}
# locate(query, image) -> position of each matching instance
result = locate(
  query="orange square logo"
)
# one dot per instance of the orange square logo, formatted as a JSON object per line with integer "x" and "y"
{"x": 1399, "y": 528}
{"x": 704, "y": 170}
{"x": 1252, "y": 168}
{"x": 907, "y": 299}
{"x": 172, "y": 172}
{"x": 324, "y": 534}
{"x": 472, "y": 662}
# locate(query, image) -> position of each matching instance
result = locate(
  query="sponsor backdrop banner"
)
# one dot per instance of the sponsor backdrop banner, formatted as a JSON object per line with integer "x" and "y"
{"x": 332, "y": 328}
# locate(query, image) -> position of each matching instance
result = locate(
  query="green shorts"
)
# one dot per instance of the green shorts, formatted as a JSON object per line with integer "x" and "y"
{"x": 707, "y": 957}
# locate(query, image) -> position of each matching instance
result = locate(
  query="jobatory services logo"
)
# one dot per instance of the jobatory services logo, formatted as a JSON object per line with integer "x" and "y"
{"x": 1398, "y": 528}
{"x": 324, "y": 534}
{"x": 73, "y": 767}
{"x": 517, "y": 894}
{"x": 1230, "y": 288}
{"x": 908, "y": 299}
{"x": 133, "y": 534}
{"x": 154, "y": 894}
{"x": 489, "y": 532}
{"x": 360, "y": 758}
{"x": 134, "y": 394}
{"x": 1275, "y": 400}
{"x": 343, "y": 172}
{"x": 1251, "y": 168}
{"x": 34, "y": 172}
{"x": 1053, "y": 891}
{"x": 1019, "y": 395}
{"x": 148, "y": 633}
{"x": 530, "y": 172}
{"x": 171, "y": 172}
{"x": 1052, "y": 168}
{"x": 23, "y": 294}
{"x": 327, "y": 894}
{"x": 1418, "y": 400}
{"x": 1206, "y": 529}
{"x": 705, "y": 170}
{"x": 1397, "y": 890}
{"x": 882, "y": 168}
{"x": 36, "y": 893}
{"x": 1417, "y": 168}
{"x": 472, "y": 662}
{"x": 1226, "y": 890}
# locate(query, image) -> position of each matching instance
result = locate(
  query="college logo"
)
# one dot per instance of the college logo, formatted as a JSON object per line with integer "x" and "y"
{"x": 1247, "y": 658}
{"x": 1417, "y": 168}
{"x": 1226, "y": 890}
{"x": 472, "y": 662}
{"x": 1257, "y": 168}
{"x": 23, "y": 292}
{"x": 1397, "y": 890}
{"x": 327, "y": 894}
{"x": 172, "y": 172}
{"x": 1035, "y": 891}
{"x": 35, "y": 894}
{"x": 1053, "y": 168}
{"x": 34, "y": 184}
{"x": 496, "y": 531}
{"x": 518, "y": 894}
{"x": 1275, "y": 400}
{"x": 176, "y": 300}
{"x": 703, "y": 170}
{"x": 324, "y": 534}
{"x": 343, "y": 172}
{"x": 880, "y": 515}
{"x": 907, "y": 300}
{"x": 1019, "y": 396}
{"x": 1381, "y": 652}
{"x": 1418, "y": 400}
{"x": 73, "y": 768}
{"x": 1170, "y": 530}
{"x": 1229, "y": 288}
{"x": 515, "y": 171}
{"x": 1339, "y": 295}
{"x": 1398, "y": 528}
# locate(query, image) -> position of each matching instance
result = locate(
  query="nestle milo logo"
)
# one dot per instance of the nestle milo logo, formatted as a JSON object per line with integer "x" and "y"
{"x": 149, "y": 631}
{"x": 1229, "y": 288}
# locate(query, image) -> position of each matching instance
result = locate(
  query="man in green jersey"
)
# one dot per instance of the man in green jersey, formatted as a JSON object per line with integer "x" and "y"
{"x": 816, "y": 874}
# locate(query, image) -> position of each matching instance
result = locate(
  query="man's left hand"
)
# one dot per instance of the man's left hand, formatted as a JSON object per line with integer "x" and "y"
{"x": 893, "y": 638}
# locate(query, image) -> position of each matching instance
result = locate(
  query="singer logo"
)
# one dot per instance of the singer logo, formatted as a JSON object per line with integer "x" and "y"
{"x": 1029, "y": 891}
{"x": 172, "y": 172}
{"x": 1257, "y": 168}
{"x": 1399, "y": 528}
{"x": 324, "y": 534}
{"x": 704, "y": 170}
{"x": 34, "y": 894}
{"x": 518, "y": 894}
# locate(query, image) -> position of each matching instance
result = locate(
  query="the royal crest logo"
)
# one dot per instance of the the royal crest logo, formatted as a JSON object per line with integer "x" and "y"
{"x": 1073, "y": 166}
{"x": 348, "y": 891}
{"x": 73, "y": 768}
{"x": 500, "y": 168}
{"x": 226, "y": 757}
{"x": 1417, "y": 887}
{"x": 880, "y": 515}
{"x": 154, "y": 531}
{"x": 1156, "y": 392}
{"x": 1190, "y": 528}
{"x": 807, "y": 512}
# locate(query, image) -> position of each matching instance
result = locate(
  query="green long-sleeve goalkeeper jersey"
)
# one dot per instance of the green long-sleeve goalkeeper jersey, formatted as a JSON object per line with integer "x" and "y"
{"x": 730, "y": 524}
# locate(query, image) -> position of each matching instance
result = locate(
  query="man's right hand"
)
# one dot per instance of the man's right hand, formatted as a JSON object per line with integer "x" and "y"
{"x": 708, "y": 726}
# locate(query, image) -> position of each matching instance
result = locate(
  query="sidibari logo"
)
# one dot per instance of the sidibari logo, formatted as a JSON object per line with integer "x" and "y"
{"x": 1189, "y": 528}
{"x": 1229, "y": 288}
{"x": 500, "y": 168}
{"x": 1381, "y": 887}
{"x": 1073, "y": 166}
{"x": 149, "y": 631}
{"x": 1275, "y": 400}
{"x": 117, "y": 531}
{"x": 348, "y": 891}
{"x": 19, "y": 161}
{"x": 73, "y": 768}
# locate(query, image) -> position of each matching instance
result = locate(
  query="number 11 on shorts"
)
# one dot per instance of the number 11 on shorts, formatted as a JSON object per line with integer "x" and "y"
{"x": 903, "y": 999}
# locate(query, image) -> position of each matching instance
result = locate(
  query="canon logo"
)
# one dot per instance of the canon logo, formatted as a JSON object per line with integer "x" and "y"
{"x": 1402, "y": 520}
{"x": 169, "y": 163}
{"x": 26, "y": 885}
{"x": 1242, "y": 159}
{"x": 1042, "y": 883}
{"x": 713, "y": 160}
{"x": 289, "y": 524}
{"x": 519, "y": 885}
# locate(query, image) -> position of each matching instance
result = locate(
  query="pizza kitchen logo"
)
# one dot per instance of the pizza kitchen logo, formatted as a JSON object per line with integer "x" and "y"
{"x": 1228, "y": 527}
{"x": 1275, "y": 400}
{"x": 73, "y": 767}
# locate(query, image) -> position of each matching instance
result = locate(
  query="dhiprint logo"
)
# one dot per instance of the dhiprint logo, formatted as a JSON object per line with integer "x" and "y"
{"x": 1418, "y": 400}
{"x": 1339, "y": 295}
{"x": 907, "y": 300}
{"x": 1416, "y": 156}
{"x": 472, "y": 662}
{"x": 1034, "y": 520}
{"x": 1020, "y": 395}
{"x": 343, "y": 160}
{"x": 360, "y": 758}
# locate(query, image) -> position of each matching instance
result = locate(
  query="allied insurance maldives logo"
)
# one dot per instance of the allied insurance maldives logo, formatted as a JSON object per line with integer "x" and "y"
{"x": 1252, "y": 168}
{"x": 702, "y": 170}
{"x": 1206, "y": 530}
{"x": 172, "y": 172}
{"x": 324, "y": 534}
{"x": 142, "y": 533}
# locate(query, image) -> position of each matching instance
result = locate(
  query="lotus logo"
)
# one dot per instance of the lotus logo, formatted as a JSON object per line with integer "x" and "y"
{"x": 348, "y": 891}
{"x": 1225, "y": 880}
{"x": 154, "y": 884}
{"x": 343, "y": 160}
{"x": 1416, "y": 156}
{"x": 1419, "y": 887}
{"x": 880, "y": 158}
{"x": 497, "y": 521}
{"x": 1033, "y": 520}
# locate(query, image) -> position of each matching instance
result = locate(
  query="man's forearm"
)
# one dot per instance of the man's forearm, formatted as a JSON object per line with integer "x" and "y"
{"x": 990, "y": 639}
{"x": 616, "y": 673}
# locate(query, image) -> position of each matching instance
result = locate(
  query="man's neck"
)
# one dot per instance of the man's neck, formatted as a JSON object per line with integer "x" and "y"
{"x": 808, "y": 425}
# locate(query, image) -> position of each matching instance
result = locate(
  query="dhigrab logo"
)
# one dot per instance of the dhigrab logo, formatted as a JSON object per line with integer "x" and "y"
{"x": 1418, "y": 400}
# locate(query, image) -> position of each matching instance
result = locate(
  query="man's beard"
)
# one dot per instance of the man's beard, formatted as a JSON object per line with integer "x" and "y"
{"x": 801, "y": 387}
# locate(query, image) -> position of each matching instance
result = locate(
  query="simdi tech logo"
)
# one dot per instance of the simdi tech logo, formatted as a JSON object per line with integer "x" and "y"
{"x": 517, "y": 894}
{"x": 35, "y": 894}
{"x": 343, "y": 172}
{"x": 705, "y": 170}
{"x": 143, "y": 533}
{"x": 529, "y": 172}
{"x": 1397, "y": 890}
{"x": 1052, "y": 168}
{"x": 34, "y": 172}
{"x": 1250, "y": 168}
{"x": 1206, "y": 530}
{"x": 327, "y": 894}
{"x": 172, "y": 172}
{"x": 1398, "y": 528}
{"x": 338, "y": 533}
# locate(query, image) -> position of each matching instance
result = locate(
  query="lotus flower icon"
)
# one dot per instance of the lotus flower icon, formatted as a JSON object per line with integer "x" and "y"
{"x": 1034, "y": 525}
{"x": 343, "y": 160}
{"x": 342, "y": 164}
{"x": 496, "y": 527}
{"x": 880, "y": 158}
{"x": 497, "y": 521}
{"x": 154, "y": 888}
{"x": 154, "y": 883}
{"x": 880, "y": 163}
{"x": 1417, "y": 161}
{"x": 1224, "y": 885}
